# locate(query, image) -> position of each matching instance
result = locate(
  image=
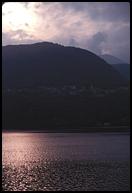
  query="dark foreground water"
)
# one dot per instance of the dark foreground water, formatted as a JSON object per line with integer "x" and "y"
{"x": 65, "y": 161}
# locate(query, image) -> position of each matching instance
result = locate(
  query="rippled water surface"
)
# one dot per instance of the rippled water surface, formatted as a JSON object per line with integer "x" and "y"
{"x": 65, "y": 161}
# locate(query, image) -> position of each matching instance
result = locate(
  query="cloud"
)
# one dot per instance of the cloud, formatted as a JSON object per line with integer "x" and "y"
{"x": 102, "y": 27}
{"x": 106, "y": 11}
{"x": 73, "y": 42}
{"x": 17, "y": 37}
{"x": 96, "y": 43}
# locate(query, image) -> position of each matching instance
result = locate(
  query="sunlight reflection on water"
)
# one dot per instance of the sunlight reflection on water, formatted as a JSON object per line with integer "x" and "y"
{"x": 34, "y": 161}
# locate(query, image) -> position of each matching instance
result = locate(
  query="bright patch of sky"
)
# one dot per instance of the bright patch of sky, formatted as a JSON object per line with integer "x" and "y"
{"x": 101, "y": 27}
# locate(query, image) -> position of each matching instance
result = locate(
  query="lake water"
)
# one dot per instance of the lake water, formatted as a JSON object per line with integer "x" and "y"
{"x": 66, "y": 161}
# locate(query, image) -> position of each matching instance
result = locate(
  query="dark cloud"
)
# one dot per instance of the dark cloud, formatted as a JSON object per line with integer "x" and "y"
{"x": 26, "y": 24}
{"x": 122, "y": 45}
{"x": 96, "y": 42}
{"x": 73, "y": 42}
{"x": 26, "y": 4}
{"x": 98, "y": 38}
{"x": 110, "y": 11}
{"x": 116, "y": 37}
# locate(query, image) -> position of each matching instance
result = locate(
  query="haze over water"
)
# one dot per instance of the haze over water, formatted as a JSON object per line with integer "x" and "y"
{"x": 65, "y": 161}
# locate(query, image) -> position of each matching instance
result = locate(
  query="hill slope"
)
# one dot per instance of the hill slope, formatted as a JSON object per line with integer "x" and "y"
{"x": 53, "y": 87}
{"x": 52, "y": 64}
{"x": 111, "y": 59}
{"x": 124, "y": 70}
{"x": 122, "y": 67}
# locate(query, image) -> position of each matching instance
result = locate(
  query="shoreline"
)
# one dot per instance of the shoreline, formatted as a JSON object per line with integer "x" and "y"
{"x": 106, "y": 129}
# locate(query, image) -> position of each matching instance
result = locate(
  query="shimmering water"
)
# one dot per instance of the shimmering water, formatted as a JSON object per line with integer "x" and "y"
{"x": 65, "y": 161}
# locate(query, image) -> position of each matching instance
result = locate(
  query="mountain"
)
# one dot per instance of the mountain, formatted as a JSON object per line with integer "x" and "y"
{"x": 124, "y": 70}
{"x": 111, "y": 59}
{"x": 47, "y": 86}
{"x": 46, "y": 63}
{"x": 122, "y": 67}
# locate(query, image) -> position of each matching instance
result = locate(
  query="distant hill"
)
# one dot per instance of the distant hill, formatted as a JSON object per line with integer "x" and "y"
{"x": 111, "y": 59}
{"x": 122, "y": 67}
{"x": 52, "y": 64}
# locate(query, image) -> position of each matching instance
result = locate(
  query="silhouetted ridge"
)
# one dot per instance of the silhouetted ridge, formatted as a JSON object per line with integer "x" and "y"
{"x": 111, "y": 59}
{"x": 47, "y": 63}
{"x": 122, "y": 67}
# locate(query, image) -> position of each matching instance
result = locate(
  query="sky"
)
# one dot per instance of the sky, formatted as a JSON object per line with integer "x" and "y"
{"x": 101, "y": 27}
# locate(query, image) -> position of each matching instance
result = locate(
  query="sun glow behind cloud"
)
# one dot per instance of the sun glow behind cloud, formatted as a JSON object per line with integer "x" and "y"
{"x": 16, "y": 16}
{"x": 79, "y": 24}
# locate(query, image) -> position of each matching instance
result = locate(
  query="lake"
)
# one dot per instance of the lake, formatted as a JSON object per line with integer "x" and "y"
{"x": 66, "y": 161}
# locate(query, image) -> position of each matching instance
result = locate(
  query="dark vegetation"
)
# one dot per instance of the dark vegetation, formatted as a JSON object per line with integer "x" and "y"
{"x": 48, "y": 86}
{"x": 42, "y": 110}
{"x": 51, "y": 64}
